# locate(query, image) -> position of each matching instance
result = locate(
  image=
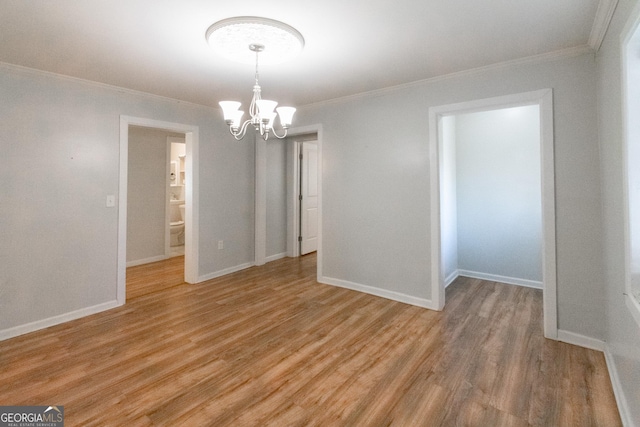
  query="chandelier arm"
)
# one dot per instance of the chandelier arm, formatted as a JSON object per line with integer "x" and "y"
{"x": 245, "y": 126}
{"x": 278, "y": 136}
{"x": 238, "y": 135}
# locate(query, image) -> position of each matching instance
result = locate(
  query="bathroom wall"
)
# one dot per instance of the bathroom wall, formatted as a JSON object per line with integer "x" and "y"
{"x": 177, "y": 179}
{"x": 146, "y": 198}
{"x": 176, "y": 189}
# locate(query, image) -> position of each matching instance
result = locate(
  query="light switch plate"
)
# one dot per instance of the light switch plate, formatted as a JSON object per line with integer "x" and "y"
{"x": 111, "y": 201}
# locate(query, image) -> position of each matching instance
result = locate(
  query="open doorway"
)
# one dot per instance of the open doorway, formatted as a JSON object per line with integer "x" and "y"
{"x": 176, "y": 190}
{"x": 491, "y": 196}
{"x": 155, "y": 210}
{"x": 441, "y": 214}
{"x": 303, "y": 232}
{"x": 190, "y": 177}
{"x": 304, "y": 183}
{"x": 155, "y": 195}
{"x": 277, "y": 191}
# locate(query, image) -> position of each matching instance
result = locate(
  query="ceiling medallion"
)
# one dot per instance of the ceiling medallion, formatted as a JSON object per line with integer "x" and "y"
{"x": 231, "y": 38}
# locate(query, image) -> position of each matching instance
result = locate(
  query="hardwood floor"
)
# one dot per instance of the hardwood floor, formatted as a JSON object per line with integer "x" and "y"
{"x": 271, "y": 346}
{"x": 155, "y": 277}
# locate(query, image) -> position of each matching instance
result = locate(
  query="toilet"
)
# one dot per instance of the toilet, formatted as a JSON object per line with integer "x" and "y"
{"x": 176, "y": 226}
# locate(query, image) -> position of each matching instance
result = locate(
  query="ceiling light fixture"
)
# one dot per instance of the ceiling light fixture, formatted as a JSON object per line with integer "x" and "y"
{"x": 243, "y": 39}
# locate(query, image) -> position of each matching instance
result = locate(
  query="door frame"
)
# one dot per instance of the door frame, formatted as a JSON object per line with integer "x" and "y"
{"x": 191, "y": 134}
{"x": 294, "y": 150}
{"x": 293, "y": 202}
{"x": 544, "y": 99}
{"x": 293, "y": 165}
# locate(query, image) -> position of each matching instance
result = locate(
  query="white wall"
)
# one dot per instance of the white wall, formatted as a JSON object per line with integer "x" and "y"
{"x": 622, "y": 333}
{"x": 146, "y": 196}
{"x": 276, "y": 197}
{"x": 499, "y": 194}
{"x": 376, "y": 182}
{"x": 449, "y": 200}
{"x": 60, "y": 145}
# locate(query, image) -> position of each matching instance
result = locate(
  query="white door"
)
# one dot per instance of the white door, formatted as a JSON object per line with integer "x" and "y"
{"x": 309, "y": 198}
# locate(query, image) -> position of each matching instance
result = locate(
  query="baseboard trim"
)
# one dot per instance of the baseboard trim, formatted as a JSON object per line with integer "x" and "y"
{"x": 621, "y": 400}
{"x": 275, "y": 257}
{"x": 502, "y": 279}
{"x": 224, "y": 272}
{"x": 56, "y": 320}
{"x": 240, "y": 267}
{"x": 450, "y": 278}
{"x": 384, "y": 293}
{"x": 581, "y": 340}
{"x": 147, "y": 260}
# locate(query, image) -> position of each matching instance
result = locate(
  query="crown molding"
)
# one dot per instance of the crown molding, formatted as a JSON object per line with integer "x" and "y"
{"x": 63, "y": 77}
{"x": 534, "y": 59}
{"x": 605, "y": 11}
{"x": 549, "y": 56}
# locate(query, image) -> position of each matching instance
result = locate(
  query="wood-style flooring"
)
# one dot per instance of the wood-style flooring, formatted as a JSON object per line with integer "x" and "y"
{"x": 269, "y": 346}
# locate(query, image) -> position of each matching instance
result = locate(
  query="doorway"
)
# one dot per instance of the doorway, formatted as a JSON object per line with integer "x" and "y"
{"x": 191, "y": 196}
{"x": 155, "y": 195}
{"x": 291, "y": 164}
{"x": 304, "y": 219}
{"x": 440, "y": 215}
{"x": 175, "y": 196}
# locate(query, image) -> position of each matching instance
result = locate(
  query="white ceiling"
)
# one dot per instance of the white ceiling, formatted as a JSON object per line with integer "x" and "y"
{"x": 352, "y": 46}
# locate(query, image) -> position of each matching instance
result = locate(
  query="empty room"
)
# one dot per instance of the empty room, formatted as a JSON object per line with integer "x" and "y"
{"x": 320, "y": 213}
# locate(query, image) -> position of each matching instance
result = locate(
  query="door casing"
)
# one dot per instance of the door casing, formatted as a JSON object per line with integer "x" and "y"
{"x": 544, "y": 99}
{"x": 191, "y": 197}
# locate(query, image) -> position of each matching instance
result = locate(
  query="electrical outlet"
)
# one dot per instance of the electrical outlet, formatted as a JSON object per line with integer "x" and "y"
{"x": 220, "y": 244}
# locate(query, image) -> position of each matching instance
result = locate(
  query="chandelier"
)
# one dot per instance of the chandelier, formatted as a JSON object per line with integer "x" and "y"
{"x": 244, "y": 39}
